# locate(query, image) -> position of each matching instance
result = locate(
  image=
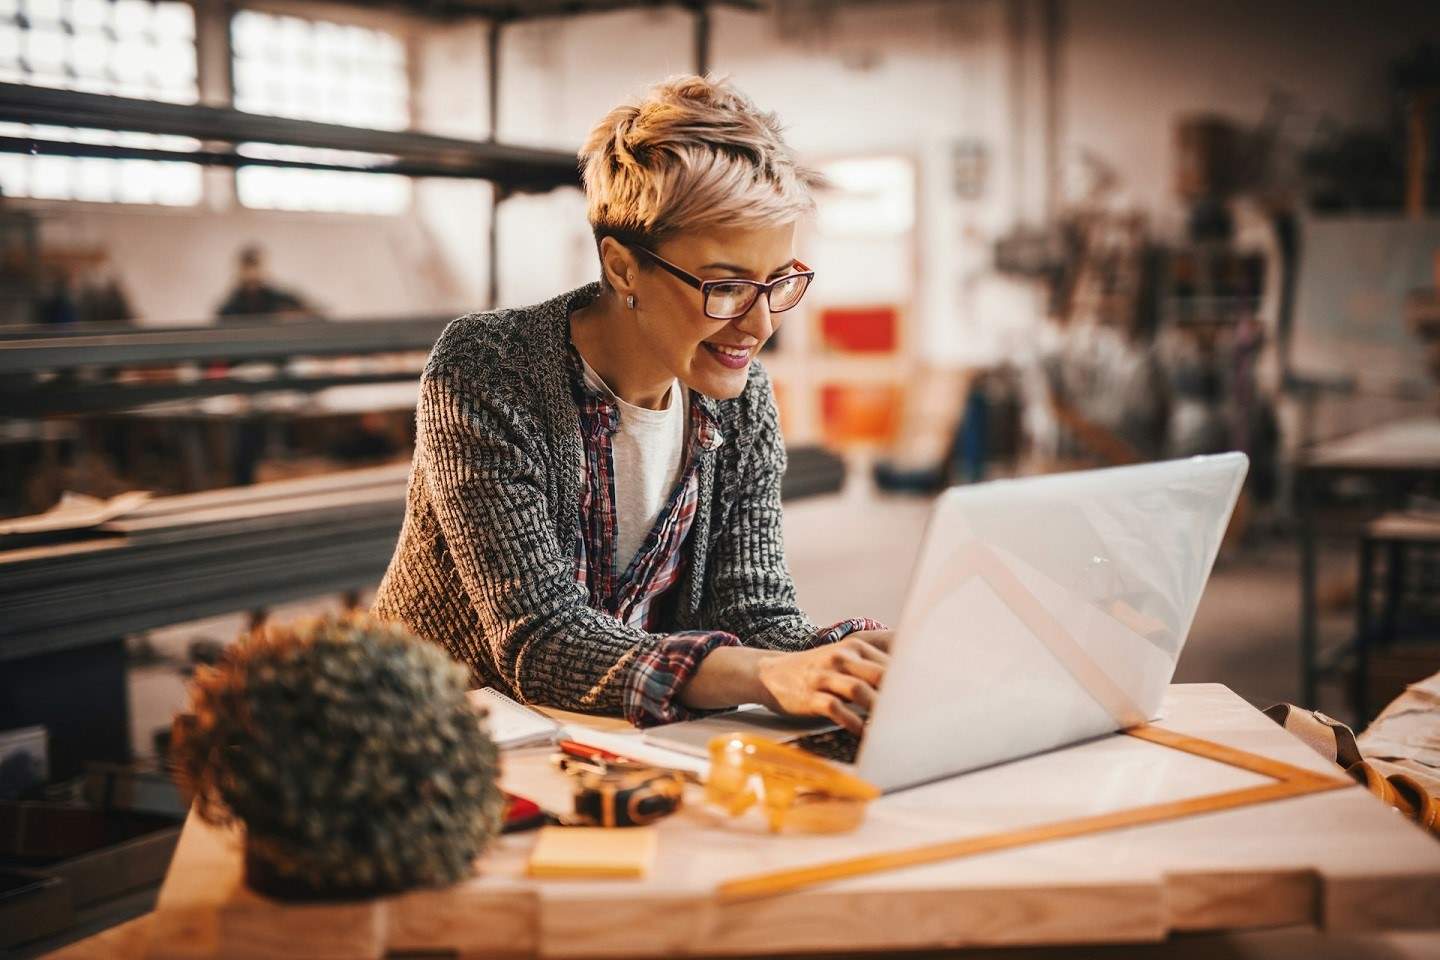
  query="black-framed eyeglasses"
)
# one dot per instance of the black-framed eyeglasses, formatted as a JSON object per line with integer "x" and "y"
{"x": 731, "y": 299}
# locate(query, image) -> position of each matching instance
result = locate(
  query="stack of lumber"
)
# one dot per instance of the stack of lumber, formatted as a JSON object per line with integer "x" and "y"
{"x": 196, "y": 555}
{"x": 182, "y": 558}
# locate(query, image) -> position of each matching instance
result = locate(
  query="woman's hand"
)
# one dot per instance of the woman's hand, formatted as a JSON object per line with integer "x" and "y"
{"x": 829, "y": 681}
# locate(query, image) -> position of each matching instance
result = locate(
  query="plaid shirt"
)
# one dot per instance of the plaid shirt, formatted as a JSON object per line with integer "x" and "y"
{"x": 637, "y": 596}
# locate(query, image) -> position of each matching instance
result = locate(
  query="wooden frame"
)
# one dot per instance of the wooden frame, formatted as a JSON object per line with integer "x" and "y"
{"x": 1289, "y": 781}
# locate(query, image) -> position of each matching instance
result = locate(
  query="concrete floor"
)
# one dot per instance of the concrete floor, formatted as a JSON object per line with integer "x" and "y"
{"x": 851, "y": 555}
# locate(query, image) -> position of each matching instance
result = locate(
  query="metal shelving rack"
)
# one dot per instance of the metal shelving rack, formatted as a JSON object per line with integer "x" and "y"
{"x": 28, "y": 354}
{"x": 511, "y": 169}
{"x": 221, "y": 130}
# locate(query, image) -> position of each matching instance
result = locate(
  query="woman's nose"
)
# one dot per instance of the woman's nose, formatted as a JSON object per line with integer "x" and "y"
{"x": 758, "y": 323}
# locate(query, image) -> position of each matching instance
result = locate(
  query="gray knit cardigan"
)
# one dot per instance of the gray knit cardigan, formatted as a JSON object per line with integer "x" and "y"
{"x": 485, "y": 564}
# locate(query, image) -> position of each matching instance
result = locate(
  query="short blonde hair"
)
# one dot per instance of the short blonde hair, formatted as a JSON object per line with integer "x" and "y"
{"x": 694, "y": 152}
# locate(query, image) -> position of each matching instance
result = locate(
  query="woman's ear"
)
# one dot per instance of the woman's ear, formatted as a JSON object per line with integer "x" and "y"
{"x": 619, "y": 266}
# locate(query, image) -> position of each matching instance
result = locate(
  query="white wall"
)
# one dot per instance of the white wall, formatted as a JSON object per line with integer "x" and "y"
{"x": 452, "y": 77}
{"x": 177, "y": 266}
{"x": 559, "y": 77}
{"x": 912, "y": 79}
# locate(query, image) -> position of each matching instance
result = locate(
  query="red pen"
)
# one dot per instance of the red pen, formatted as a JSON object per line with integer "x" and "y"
{"x": 584, "y": 751}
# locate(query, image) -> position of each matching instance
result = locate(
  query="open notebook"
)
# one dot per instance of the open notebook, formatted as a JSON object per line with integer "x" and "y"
{"x": 513, "y": 724}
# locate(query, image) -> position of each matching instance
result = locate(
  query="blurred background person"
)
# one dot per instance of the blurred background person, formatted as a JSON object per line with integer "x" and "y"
{"x": 255, "y": 295}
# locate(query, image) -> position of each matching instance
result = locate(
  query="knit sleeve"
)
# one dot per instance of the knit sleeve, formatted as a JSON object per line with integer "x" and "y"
{"x": 749, "y": 590}
{"x": 483, "y": 474}
{"x": 843, "y": 629}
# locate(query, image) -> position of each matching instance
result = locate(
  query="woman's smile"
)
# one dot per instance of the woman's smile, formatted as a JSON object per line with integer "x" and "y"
{"x": 735, "y": 358}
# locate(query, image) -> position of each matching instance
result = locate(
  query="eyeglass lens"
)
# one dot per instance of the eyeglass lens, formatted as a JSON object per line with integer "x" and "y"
{"x": 729, "y": 300}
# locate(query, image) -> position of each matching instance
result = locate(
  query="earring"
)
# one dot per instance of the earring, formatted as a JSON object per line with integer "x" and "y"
{"x": 630, "y": 301}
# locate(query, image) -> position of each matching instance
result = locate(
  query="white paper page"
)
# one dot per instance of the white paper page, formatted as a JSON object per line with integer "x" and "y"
{"x": 512, "y": 724}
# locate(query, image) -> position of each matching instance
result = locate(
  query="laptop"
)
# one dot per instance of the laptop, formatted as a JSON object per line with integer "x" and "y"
{"x": 1043, "y": 611}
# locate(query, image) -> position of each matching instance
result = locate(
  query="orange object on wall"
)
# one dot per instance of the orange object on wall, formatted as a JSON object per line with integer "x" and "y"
{"x": 861, "y": 329}
{"x": 860, "y": 413}
{"x": 782, "y": 403}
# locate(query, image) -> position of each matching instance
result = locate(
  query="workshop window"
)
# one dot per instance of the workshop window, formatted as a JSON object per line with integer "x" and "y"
{"x": 129, "y": 48}
{"x": 327, "y": 72}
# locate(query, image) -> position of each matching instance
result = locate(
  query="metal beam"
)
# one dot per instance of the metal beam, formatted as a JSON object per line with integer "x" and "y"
{"x": 70, "y": 399}
{"x": 517, "y": 168}
{"x": 702, "y": 38}
{"x": 514, "y": 10}
{"x": 497, "y": 192}
{"x": 214, "y": 158}
{"x": 493, "y": 69}
{"x": 41, "y": 350}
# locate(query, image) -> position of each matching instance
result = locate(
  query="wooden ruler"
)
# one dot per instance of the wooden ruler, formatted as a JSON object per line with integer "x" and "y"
{"x": 1288, "y": 781}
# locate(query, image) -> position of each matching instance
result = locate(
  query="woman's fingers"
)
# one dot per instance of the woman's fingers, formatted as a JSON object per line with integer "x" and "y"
{"x": 880, "y": 639}
{"x": 829, "y": 705}
{"x": 850, "y": 688}
{"x": 838, "y": 681}
{"x": 849, "y": 661}
{"x": 869, "y": 652}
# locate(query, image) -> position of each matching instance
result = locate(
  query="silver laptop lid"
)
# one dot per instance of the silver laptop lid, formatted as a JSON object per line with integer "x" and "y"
{"x": 1044, "y": 611}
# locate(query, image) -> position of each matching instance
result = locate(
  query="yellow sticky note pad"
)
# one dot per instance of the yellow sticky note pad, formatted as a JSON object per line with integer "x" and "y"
{"x": 593, "y": 852}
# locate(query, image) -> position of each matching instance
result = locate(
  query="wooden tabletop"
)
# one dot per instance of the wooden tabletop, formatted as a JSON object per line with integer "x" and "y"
{"x": 1339, "y": 860}
{"x": 1412, "y": 445}
{"x": 1410, "y": 526}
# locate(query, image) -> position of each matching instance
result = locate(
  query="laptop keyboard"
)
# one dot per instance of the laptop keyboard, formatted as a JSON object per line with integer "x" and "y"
{"x": 839, "y": 745}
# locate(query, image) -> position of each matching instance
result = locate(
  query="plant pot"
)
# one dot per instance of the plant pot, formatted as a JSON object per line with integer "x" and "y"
{"x": 263, "y": 877}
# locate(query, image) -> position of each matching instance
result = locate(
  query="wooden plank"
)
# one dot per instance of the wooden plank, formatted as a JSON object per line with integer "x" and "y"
{"x": 1220, "y": 753}
{"x": 129, "y": 940}
{"x": 1412, "y": 445}
{"x": 277, "y": 511}
{"x": 1408, "y": 526}
{"x": 771, "y": 884}
{"x": 34, "y": 570}
{"x": 335, "y": 560}
{"x": 1240, "y": 900}
{"x": 386, "y": 475}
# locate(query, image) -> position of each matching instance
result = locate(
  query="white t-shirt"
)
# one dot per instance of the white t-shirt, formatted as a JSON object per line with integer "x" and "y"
{"x": 649, "y": 453}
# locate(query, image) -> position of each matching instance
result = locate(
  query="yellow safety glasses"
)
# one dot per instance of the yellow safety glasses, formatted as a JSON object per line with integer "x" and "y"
{"x": 799, "y": 792}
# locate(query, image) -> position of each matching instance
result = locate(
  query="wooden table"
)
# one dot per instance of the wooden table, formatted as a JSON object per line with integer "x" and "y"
{"x": 1397, "y": 536}
{"x": 1339, "y": 861}
{"x": 1398, "y": 457}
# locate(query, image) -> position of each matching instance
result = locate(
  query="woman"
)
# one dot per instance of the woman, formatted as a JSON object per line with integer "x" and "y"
{"x": 593, "y": 517}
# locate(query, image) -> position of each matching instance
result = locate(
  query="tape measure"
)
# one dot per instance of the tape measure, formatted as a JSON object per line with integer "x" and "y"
{"x": 626, "y": 798}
